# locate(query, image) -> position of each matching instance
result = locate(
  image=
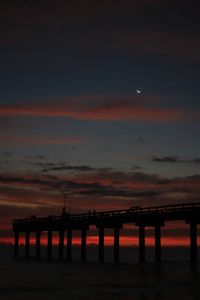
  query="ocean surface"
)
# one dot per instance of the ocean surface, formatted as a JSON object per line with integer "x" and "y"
{"x": 29, "y": 279}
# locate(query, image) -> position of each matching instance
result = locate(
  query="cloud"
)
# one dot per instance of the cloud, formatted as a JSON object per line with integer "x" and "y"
{"x": 48, "y": 167}
{"x": 119, "y": 193}
{"x": 74, "y": 148}
{"x": 100, "y": 108}
{"x": 35, "y": 157}
{"x": 6, "y": 155}
{"x": 62, "y": 167}
{"x": 140, "y": 140}
{"x": 135, "y": 167}
{"x": 104, "y": 182}
{"x": 175, "y": 159}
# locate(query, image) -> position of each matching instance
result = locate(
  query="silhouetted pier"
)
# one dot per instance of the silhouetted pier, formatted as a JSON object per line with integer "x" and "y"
{"x": 141, "y": 217}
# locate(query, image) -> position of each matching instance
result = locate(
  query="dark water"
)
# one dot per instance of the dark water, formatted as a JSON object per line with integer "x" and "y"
{"x": 127, "y": 280}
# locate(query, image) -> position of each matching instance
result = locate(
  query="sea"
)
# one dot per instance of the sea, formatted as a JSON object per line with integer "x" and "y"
{"x": 29, "y": 279}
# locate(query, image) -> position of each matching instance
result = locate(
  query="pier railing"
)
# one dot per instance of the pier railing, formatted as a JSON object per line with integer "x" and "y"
{"x": 132, "y": 211}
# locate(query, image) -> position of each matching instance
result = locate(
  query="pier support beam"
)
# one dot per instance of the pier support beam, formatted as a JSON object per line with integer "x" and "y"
{"x": 193, "y": 243}
{"x": 27, "y": 244}
{"x": 69, "y": 244}
{"x": 83, "y": 244}
{"x": 49, "y": 245}
{"x": 116, "y": 244}
{"x": 16, "y": 243}
{"x": 141, "y": 243}
{"x": 157, "y": 243}
{"x": 38, "y": 245}
{"x": 61, "y": 244}
{"x": 101, "y": 244}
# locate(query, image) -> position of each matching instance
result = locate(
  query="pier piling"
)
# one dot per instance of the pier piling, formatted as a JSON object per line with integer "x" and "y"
{"x": 49, "y": 245}
{"x": 83, "y": 244}
{"x": 193, "y": 243}
{"x": 16, "y": 243}
{"x": 157, "y": 243}
{"x": 141, "y": 243}
{"x": 38, "y": 245}
{"x": 69, "y": 244}
{"x": 61, "y": 244}
{"x": 27, "y": 244}
{"x": 116, "y": 244}
{"x": 101, "y": 244}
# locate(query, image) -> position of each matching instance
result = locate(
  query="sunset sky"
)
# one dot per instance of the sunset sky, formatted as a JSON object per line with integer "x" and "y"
{"x": 99, "y": 99}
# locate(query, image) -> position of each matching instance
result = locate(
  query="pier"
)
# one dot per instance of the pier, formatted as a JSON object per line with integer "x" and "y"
{"x": 141, "y": 217}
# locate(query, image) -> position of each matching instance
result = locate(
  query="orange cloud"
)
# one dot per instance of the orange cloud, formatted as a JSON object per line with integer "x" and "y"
{"x": 101, "y": 108}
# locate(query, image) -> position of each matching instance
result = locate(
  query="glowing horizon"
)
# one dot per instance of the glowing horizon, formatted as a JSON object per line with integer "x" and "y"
{"x": 124, "y": 241}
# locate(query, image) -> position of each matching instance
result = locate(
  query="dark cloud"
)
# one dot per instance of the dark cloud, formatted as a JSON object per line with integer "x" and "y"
{"x": 195, "y": 177}
{"x": 171, "y": 159}
{"x": 107, "y": 183}
{"x": 21, "y": 179}
{"x": 6, "y": 154}
{"x": 112, "y": 192}
{"x": 104, "y": 170}
{"x": 141, "y": 140}
{"x": 10, "y": 211}
{"x": 48, "y": 182}
{"x": 62, "y": 166}
{"x": 175, "y": 159}
{"x": 81, "y": 168}
{"x": 129, "y": 176}
{"x": 78, "y": 188}
{"x": 75, "y": 148}
{"x": 196, "y": 160}
{"x": 135, "y": 168}
{"x": 37, "y": 157}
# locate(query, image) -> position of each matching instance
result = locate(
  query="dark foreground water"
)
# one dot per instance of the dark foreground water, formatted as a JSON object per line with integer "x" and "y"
{"x": 127, "y": 280}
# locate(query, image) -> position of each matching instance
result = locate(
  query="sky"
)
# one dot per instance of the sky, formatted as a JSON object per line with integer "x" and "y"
{"x": 71, "y": 118}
